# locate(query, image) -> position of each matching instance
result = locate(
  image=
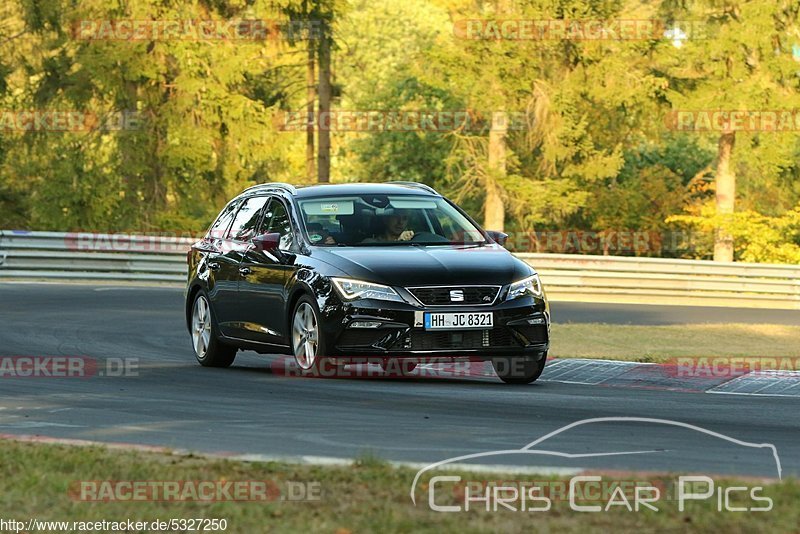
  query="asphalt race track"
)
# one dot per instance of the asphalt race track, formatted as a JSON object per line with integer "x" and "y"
{"x": 250, "y": 409}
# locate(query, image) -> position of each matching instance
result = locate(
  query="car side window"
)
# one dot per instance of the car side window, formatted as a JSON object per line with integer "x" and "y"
{"x": 220, "y": 226}
{"x": 247, "y": 218}
{"x": 280, "y": 223}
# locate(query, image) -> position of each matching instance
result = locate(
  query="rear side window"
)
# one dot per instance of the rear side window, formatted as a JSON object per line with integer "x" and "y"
{"x": 247, "y": 218}
{"x": 220, "y": 226}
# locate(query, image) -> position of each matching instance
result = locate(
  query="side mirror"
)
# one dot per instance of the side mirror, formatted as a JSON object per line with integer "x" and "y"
{"x": 267, "y": 242}
{"x": 498, "y": 237}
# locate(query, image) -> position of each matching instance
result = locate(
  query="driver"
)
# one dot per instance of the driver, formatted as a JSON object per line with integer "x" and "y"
{"x": 394, "y": 227}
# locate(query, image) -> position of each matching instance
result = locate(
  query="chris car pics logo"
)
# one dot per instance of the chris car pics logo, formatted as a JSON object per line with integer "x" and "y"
{"x": 584, "y": 492}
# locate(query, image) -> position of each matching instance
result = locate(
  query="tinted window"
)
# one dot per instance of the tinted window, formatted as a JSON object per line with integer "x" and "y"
{"x": 279, "y": 222}
{"x": 377, "y": 220}
{"x": 247, "y": 219}
{"x": 218, "y": 229}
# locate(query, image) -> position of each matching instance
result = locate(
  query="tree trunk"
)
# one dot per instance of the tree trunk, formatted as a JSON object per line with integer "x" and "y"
{"x": 324, "y": 121}
{"x": 493, "y": 209}
{"x": 311, "y": 94}
{"x": 725, "y": 195}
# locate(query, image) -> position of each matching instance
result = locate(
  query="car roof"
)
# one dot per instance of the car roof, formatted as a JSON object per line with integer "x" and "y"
{"x": 355, "y": 188}
{"x": 362, "y": 189}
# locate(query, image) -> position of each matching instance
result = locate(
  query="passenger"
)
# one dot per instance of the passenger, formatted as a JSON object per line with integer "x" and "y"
{"x": 318, "y": 235}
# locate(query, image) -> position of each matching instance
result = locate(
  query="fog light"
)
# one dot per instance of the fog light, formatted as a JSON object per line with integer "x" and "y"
{"x": 365, "y": 324}
{"x": 538, "y": 320}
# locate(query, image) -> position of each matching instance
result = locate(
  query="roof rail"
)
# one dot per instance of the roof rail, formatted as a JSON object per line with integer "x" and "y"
{"x": 272, "y": 185}
{"x": 415, "y": 184}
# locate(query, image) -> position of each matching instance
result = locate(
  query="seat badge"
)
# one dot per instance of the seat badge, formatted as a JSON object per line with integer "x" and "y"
{"x": 456, "y": 295}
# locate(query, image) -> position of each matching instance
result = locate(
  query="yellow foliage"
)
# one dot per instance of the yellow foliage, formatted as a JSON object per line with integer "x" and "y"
{"x": 758, "y": 238}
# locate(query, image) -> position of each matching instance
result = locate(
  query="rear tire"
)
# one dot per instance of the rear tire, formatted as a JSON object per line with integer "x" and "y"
{"x": 208, "y": 349}
{"x": 519, "y": 369}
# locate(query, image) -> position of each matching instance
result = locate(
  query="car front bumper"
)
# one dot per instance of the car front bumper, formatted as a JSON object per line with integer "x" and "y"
{"x": 521, "y": 328}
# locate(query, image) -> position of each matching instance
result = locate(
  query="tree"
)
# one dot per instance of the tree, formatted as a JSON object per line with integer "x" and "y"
{"x": 736, "y": 57}
{"x": 319, "y": 17}
{"x": 583, "y": 102}
{"x": 324, "y": 90}
{"x": 203, "y": 120}
{"x": 382, "y": 47}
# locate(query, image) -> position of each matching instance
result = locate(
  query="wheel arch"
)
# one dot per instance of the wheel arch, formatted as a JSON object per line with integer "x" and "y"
{"x": 298, "y": 291}
{"x": 192, "y": 292}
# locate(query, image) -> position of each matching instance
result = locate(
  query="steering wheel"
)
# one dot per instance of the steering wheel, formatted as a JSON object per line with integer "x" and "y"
{"x": 429, "y": 237}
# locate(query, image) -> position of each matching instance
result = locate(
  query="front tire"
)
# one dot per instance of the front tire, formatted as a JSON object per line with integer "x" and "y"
{"x": 519, "y": 369}
{"x": 208, "y": 349}
{"x": 308, "y": 344}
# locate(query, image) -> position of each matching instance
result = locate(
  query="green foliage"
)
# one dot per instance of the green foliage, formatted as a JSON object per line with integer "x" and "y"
{"x": 595, "y": 154}
{"x": 656, "y": 181}
{"x": 199, "y": 137}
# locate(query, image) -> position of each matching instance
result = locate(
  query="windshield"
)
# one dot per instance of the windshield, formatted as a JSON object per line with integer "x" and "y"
{"x": 379, "y": 220}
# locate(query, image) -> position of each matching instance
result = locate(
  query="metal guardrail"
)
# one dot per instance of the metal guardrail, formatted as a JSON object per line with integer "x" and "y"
{"x": 583, "y": 278}
{"x": 566, "y": 277}
{"x": 84, "y": 256}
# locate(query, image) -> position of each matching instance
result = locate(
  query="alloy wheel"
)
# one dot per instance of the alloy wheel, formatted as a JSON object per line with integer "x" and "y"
{"x": 305, "y": 336}
{"x": 201, "y": 326}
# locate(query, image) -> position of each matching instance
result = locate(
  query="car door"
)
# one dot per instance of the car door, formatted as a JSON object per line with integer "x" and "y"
{"x": 227, "y": 264}
{"x": 215, "y": 245}
{"x": 262, "y": 287}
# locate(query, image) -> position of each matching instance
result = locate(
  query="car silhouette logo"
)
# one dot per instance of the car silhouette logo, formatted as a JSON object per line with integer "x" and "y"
{"x": 456, "y": 295}
{"x": 459, "y": 462}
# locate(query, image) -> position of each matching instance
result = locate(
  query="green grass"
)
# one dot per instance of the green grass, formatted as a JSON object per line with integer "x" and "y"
{"x": 368, "y": 496}
{"x": 660, "y": 343}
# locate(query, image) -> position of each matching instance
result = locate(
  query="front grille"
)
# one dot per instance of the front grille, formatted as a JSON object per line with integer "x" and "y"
{"x": 440, "y": 296}
{"x": 467, "y": 339}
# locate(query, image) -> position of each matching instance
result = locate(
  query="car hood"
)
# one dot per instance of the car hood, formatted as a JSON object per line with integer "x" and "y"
{"x": 426, "y": 265}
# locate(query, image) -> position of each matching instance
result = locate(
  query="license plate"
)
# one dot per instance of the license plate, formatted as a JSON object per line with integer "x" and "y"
{"x": 458, "y": 321}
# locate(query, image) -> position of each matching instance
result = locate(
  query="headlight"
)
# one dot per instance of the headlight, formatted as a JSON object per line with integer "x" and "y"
{"x": 350, "y": 289}
{"x": 527, "y": 286}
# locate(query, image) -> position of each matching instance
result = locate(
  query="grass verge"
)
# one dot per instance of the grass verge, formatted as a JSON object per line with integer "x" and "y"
{"x": 368, "y": 496}
{"x": 660, "y": 343}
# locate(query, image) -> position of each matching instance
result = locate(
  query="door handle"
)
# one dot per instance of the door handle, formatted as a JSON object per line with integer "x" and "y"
{"x": 214, "y": 266}
{"x": 244, "y": 271}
